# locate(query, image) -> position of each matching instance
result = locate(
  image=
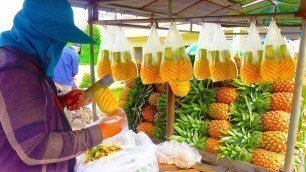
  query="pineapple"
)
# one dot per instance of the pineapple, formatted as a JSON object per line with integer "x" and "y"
{"x": 124, "y": 94}
{"x": 276, "y": 121}
{"x": 121, "y": 103}
{"x": 161, "y": 88}
{"x": 212, "y": 145}
{"x": 267, "y": 159}
{"x": 129, "y": 83}
{"x": 146, "y": 127}
{"x": 226, "y": 95}
{"x": 281, "y": 101}
{"x": 274, "y": 141}
{"x": 219, "y": 111}
{"x": 148, "y": 113}
{"x": 153, "y": 98}
{"x": 283, "y": 86}
{"x": 218, "y": 128}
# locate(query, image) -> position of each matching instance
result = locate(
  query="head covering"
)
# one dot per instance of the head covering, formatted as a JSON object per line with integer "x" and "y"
{"x": 42, "y": 28}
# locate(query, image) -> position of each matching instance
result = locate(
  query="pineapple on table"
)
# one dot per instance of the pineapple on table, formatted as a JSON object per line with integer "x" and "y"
{"x": 276, "y": 121}
{"x": 226, "y": 95}
{"x": 218, "y": 128}
{"x": 219, "y": 111}
{"x": 161, "y": 88}
{"x": 267, "y": 159}
{"x": 212, "y": 145}
{"x": 274, "y": 141}
{"x": 148, "y": 113}
{"x": 146, "y": 127}
{"x": 283, "y": 86}
{"x": 154, "y": 98}
{"x": 281, "y": 101}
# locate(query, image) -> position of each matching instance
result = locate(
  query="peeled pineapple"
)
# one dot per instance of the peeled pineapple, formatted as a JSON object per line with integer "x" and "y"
{"x": 106, "y": 100}
{"x": 180, "y": 89}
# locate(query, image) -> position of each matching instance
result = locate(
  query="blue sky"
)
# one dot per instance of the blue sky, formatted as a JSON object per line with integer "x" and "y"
{"x": 8, "y": 9}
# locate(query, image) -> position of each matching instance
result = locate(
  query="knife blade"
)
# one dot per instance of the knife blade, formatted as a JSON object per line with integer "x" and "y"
{"x": 104, "y": 82}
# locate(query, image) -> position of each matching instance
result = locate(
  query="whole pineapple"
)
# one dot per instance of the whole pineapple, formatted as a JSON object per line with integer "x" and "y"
{"x": 161, "y": 88}
{"x": 121, "y": 103}
{"x": 276, "y": 121}
{"x": 124, "y": 94}
{"x": 226, "y": 95}
{"x": 129, "y": 83}
{"x": 281, "y": 101}
{"x": 148, "y": 113}
{"x": 212, "y": 145}
{"x": 283, "y": 86}
{"x": 219, "y": 111}
{"x": 274, "y": 141}
{"x": 267, "y": 159}
{"x": 146, "y": 127}
{"x": 153, "y": 98}
{"x": 218, "y": 128}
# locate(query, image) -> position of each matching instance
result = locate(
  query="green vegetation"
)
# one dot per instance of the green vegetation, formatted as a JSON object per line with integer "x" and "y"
{"x": 85, "y": 83}
{"x": 117, "y": 91}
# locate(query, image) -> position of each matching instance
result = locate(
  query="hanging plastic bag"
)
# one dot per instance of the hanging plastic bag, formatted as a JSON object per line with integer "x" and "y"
{"x": 222, "y": 66}
{"x": 180, "y": 88}
{"x": 252, "y": 56}
{"x": 180, "y": 154}
{"x": 277, "y": 62}
{"x": 175, "y": 65}
{"x": 150, "y": 67}
{"x": 123, "y": 64}
{"x": 236, "y": 48}
{"x": 201, "y": 64}
{"x": 104, "y": 59}
{"x": 137, "y": 155}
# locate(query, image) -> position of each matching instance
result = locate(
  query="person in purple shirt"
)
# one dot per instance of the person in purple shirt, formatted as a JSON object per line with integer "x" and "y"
{"x": 67, "y": 68}
{"x": 34, "y": 132}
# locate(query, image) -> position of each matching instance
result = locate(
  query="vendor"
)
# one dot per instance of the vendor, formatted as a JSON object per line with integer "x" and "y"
{"x": 34, "y": 133}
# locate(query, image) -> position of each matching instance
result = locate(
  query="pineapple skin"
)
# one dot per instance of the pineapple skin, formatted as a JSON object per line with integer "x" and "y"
{"x": 219, "y": 111}
{"x": 226, "y": 95}
{"x": 218, "y": 128}
{"x": 276, "y": 121}
{"x": 153, "y": 99}
{"x": 281, "y": 101}
{"x": 146, "y": 127}
{"x": 212, "y": 145}
{"x": 283, "y": 86}
{"x": 274, "y": 141}
{"x": 267, "y": 159}
{"x": 148, "y": 113}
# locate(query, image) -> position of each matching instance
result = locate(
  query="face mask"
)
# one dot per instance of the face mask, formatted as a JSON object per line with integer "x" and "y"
{"x": 52, "y": 56}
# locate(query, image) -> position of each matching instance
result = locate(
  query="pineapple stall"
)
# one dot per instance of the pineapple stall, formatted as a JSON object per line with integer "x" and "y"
{"x": 243, "y": 113}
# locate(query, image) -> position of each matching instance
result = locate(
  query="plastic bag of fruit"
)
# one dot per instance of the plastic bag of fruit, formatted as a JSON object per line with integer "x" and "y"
{"x": 252, "y": 56}
{"x": 150, "y": 67}
{"x": 277, "y": 62}
{"x": 107, "y": 43}
{"x": 137, "y": 154}
{"x": 180, "y": 154}
{"x": 123, "y": 65}
{"x": 175, "y": 65}
{"x": 201, "y": 64}
{"x": 222, "y": 66}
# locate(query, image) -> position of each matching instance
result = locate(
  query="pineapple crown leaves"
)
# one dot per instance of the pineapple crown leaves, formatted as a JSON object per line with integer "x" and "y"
{"x": 196, "y": 141}
{"x": 236, "y": 152}
{"x": 243, "y": 137}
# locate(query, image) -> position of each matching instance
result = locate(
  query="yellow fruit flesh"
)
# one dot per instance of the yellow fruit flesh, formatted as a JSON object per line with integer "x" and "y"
{"x": 286, "y": 64}
{"x": 180, "y": 89}
{"x": 270, "y": 66}
{"x": 106, "y": 100}
{"x": 201, "y": 66}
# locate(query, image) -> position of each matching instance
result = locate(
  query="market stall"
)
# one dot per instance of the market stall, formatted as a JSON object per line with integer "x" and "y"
{"x": 287, "y": 14}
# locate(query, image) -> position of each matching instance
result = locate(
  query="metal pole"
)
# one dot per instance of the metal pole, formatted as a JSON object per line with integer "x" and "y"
{"x": 92, "y": 57}
{"x": 297, "y": 98}
{"x": 170, "y": 97}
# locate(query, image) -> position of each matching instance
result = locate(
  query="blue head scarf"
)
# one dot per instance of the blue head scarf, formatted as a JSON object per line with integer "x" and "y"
{"x": 26, "y": 37}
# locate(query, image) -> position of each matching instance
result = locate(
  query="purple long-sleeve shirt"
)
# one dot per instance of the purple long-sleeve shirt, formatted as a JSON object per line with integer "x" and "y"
{"x": 34, "y": 135}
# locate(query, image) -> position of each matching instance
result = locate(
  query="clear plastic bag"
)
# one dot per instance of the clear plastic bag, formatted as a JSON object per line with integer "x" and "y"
{"x": 175, "y": 65}
{"x": 137, "y": 155}
{"x": 104, "y": 59}
{"x": 150, "y": 67}
{"x": 252, "y": 56}
{"x": 222, "y": 66}
{"x": 201, "y": 64}
{"x": 180, "y": 154}
{"x": 180, "y": 88}
{"x": 277, "y": 62}
{"x": 123, "y": 64}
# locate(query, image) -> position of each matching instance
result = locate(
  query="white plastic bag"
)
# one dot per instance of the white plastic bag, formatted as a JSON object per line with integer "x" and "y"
{"x": 201, "y": 64}
{"x": 150, "y": 66}
{"x": 277, "y": 62}
{"x": 104, "y": 57}
{"x": 137, "y": 155}
{"x": 123, "y": 64}
{"x": 222, "y": 66}
{"x": 180, "y": 154}
{"x": 252, "y": 56}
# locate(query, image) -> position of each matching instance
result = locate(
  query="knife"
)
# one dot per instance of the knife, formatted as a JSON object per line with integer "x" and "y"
{"x": 104, "y": 82}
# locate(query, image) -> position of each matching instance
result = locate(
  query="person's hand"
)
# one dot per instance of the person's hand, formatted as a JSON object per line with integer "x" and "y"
{"x": 111, "y": 126}
{"x": 73, "y": 99}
